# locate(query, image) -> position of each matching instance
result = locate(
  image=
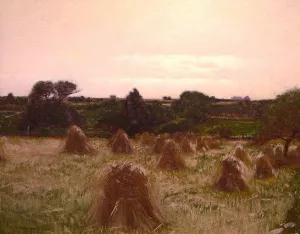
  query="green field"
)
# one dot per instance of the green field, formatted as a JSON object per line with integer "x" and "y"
{"x": 238, "y": 127}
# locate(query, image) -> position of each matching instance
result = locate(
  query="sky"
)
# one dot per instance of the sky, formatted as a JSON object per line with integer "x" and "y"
{"x": 222, "y": 48}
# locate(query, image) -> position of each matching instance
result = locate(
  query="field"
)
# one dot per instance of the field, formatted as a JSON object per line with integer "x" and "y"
{"x": 45, "y": 191}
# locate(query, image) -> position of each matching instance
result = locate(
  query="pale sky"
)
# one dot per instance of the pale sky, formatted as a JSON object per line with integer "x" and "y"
{"x": 223, "y": 48}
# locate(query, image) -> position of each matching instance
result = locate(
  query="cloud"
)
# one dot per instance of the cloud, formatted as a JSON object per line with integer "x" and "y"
{"x": 177, "y": 65}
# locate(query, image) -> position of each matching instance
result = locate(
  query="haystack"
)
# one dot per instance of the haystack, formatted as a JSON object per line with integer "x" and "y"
{"x": 158, "y": 144}
{"x": 191, "y": 136}
{"x": 126, "y": 200}
{"x": 212, "y": 143}
{"x": 201, "y": 145}
{"x": 263, "y": 167}
{"x": 3, "y": 156}
{"x": 76, "y": 142}
{"x": 113, "y": 137}
{"x": 137, "y": 137}
{"x": 121, "y": 144}
{"x": 232, "y": 177}
{"x": 186, "y": 146}
{"x": 178, "y": 137}
{"x": 293, "y": 155}
{"x": 241, "y": 154}
{"x": 278, "y": 160}
{"x": 170, "y": 158}
{"x": 147, "y": 138}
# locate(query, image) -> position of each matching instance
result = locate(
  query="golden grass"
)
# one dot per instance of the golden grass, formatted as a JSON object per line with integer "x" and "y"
{"x": 43, "y": 191}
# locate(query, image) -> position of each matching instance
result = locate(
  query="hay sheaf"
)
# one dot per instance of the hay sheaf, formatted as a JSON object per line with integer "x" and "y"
{"x": 147, "y": 138}
{"x": 278, "y": 160}
{"x": 177, "y": 137}
{"x": 126, "y": 200}
{"x": 263, "y": 167}
{"x": 232, "y": 176}
{"x": 201, "y": 145}
{"x": 159, "y": 144}
{"x": 212, "y": 143}
{"x": 186, "y": 146}
{"x": 293, "y": 156}
{"x": 241, "y": 154}
{"x": 121, "y": 144}
{"x": 3, "y": 156}
{"x": 170, "y": 159}
{"x": 76, "y": 142}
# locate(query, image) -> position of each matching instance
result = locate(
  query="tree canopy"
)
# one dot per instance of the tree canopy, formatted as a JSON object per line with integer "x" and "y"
{"x": 47, "y": 106}
{"x": 192, "y": 105}
{"x": 282, "y": 119}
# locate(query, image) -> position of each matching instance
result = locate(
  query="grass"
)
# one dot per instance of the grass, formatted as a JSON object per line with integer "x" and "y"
{"x": 43, "y": 191}
{"x": 238, "y": 128}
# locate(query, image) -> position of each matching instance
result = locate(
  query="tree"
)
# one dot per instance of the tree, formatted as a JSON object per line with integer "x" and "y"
{"x": 134, "y": 106}
{"x": 192, "y": 105}
{"x": 10, "y": 98}
{"x": 47, "y": 106}
{"x": 63, "y": 89}
{"x": 40, "y": 92}
{"x": 167, "y": 98}
{"x": 282, "y": 120}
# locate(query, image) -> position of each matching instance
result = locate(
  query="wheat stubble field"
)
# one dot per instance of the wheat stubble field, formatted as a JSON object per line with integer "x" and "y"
{"x": 45, "y": 191}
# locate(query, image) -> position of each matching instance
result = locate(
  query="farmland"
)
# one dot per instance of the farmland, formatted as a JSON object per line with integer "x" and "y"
{"x": 45, "y": 191}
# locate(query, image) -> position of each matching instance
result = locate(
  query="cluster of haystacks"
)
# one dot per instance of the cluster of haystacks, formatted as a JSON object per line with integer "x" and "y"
{"x": 201, "y": 145}
{"x": 186, "y": 146}
{"x": 241, "y": 154}
{"x": 121, "y": 144}
{"x": 170, "y": 159}
{"x": 232, "y": 176}
{"x": 159, "y": 144}
{"x": 263, "y": 167}
{"x": 126, "y": 200}
{"x": 3, "y": 156}
{"x": 147, "y": 138}
{"x": 76, "y": 142}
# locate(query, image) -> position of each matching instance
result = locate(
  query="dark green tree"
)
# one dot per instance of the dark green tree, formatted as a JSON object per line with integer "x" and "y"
{"x": 282, "y": 120}
{"x": 10, "y": 98}
{"x": 47, "y": 106}
{"x": 63, "y": 89}
{"x": 192, "y": 105}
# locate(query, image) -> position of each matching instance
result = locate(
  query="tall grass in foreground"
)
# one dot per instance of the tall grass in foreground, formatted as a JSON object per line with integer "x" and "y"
{"x": 43, "y": 191}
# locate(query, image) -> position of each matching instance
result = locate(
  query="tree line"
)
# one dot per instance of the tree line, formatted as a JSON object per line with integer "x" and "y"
{"x": 47, "y": 107}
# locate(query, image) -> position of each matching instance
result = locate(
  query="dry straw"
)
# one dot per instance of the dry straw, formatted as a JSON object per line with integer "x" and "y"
{"x": 170, "y": 159}
{"x": 201, "y": 145}
{"x": 293, "y": 156}
{"x": 263, "y": 167}
{"x": 177, "y": 137}
{"x": 276, "y": 156}
{"x": 76, "y": 142}
{"x": 232, "y": 178}
{"x": 186, "y": 146}
{"x": 159, "y": 144}
{"x": 241, "y": 154}
{"x": 3, "y": 156}
{"x": 147, "y": 138}
{"x": 126, "y": 200}
{"x": 212, "y": 143}
{"x": 121, "y": 144}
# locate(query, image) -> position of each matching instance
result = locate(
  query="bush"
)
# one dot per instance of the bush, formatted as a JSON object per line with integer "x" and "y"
{"x": 173, "y": 126}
